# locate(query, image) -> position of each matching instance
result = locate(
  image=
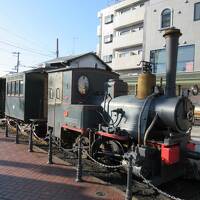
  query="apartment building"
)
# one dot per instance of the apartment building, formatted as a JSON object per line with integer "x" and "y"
{"x": 120, "y": 35}
{"x": 182, "y": 14}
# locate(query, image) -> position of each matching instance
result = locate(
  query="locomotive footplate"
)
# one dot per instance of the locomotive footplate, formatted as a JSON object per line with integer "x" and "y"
{"x": 113, "y": 136}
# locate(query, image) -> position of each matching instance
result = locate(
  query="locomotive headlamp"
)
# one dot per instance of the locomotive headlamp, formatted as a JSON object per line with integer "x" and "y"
{"x": 195, "y": 90}
{"x": 83, "y": 85}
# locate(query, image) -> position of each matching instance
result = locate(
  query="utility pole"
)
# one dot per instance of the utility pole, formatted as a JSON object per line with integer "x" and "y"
{"x": 17, "y": 66}
{"x": 57, "y": 48}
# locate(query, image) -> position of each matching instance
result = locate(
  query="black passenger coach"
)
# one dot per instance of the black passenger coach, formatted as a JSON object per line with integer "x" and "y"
{"x": 26, "y": 95}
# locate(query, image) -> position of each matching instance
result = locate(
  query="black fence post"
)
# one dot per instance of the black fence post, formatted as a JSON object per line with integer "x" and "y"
{"x": 129, "y": 179}
{"x": 50, "y": 160}
{"x": 17, "y": 134}
{"x": 31, "y": 139}
{"x": 79, "y": 165}
{"x": 6, "y": 133}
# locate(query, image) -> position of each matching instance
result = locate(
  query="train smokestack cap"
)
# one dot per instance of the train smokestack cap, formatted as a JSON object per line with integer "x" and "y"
{"x": 172, "y": 31}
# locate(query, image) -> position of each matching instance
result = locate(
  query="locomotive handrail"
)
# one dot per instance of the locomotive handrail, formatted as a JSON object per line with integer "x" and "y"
{"x": 149, "y": 128}
{"x": 140, "y": 116}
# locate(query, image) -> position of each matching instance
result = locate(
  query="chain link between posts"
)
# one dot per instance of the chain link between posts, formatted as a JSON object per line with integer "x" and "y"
{"x": 141, "y": 176}
{"x": 158, "y": 190}
{"x": 102, "y": 165}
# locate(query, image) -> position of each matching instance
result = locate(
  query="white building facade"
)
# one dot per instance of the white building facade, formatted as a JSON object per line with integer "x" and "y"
{"x": 121, "y": 35}
{"x": 132, "y": 30}
{"x": 182, "y": 14}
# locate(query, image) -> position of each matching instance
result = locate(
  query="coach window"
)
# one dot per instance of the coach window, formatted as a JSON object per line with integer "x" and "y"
{"x": 16, "y": 88}
{"x": 57, "y": 93}
{"x": 166, "y": 18}
{"x": 13, "y": 88}
{"x": 8, "y": 88}
{"x": 21, "y": 87}
{"x": 197, "y": 11}
{"x": 50, "y": 93}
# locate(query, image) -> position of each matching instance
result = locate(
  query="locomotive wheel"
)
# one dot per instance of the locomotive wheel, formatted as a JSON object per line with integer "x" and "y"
{"x": 107, "y": 152}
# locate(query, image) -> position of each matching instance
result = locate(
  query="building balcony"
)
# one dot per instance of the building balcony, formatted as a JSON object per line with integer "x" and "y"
{"x": 128, "y": 62}
{"x": 128, "y": 40}
{"x": 129, "y": 18}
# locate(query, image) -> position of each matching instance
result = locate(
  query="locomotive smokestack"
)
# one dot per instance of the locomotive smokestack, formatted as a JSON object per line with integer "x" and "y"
{"x": 172, "y": 37}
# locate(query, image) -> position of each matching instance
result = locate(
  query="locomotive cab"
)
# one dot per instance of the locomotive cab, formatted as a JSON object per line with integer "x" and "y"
{"x": 74, "y": 98}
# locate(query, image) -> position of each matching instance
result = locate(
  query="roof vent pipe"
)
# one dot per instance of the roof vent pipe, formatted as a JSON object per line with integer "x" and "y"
{"x": 172, "y": 37}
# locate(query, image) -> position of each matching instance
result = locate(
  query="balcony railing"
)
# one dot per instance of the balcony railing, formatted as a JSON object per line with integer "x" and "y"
{"x": 132, "y": 17}
{"x": 128, "y": 40}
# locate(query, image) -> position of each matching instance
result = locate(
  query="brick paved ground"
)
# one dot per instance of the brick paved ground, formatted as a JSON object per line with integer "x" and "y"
{"x": 26, "y": 176}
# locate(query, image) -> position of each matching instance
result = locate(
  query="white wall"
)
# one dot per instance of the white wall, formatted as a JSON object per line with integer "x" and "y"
{"x": 87, "y": 61}
{"x": 183, "y": 15}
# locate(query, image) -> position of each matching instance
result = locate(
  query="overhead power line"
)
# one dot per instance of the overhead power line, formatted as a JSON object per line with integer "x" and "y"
{"x": 25, "y": 49}
{"x": 5, "y": 50}
{"x": 25, "y": 39}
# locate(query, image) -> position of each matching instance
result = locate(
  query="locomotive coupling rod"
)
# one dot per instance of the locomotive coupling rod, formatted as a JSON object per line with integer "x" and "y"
{"x": 17, "y": 133}
{"x": 31, "y": 138}
{"x": 79, "y": 164}
{"x": 6, "y": 133}
{"x": 129, "y": 179}
{"x": 50, "y": 159}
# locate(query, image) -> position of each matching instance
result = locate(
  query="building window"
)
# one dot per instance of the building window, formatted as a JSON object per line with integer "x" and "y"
{"x": 108, "y": 38}
{"x": 107, "y": 58}
{"x": 123, "y": 54}
{"x": 197, "y": 11}
{"x": 108, "y": 19}
{"x": 185, "y": 60}
{"x": 166, "y": 18}
{"x": 142, "y": 4}
{"x": 140, "y": 52}
{"x": 125, "y": 10}
{"x": 140, "y": 28}
{"x": 124, "y": 32}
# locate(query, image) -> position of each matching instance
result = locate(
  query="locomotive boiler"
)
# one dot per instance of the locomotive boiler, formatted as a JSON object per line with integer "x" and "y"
{"x": 153, "y": 127}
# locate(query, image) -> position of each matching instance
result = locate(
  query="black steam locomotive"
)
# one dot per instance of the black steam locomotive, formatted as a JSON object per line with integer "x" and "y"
{"x": 153, "y": 127}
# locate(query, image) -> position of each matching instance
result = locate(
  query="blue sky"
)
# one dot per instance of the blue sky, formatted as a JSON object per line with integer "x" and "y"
{"x": 32, "y": 26}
